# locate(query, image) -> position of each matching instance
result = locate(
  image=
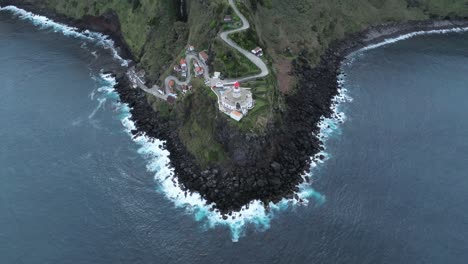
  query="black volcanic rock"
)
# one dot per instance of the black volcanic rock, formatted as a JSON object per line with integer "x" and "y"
{"x": 269, "y": 167}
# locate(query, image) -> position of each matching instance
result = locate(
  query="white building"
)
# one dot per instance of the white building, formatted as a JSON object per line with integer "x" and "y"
{"x": 237, "y": 99}
{"x": 258, "y": 51}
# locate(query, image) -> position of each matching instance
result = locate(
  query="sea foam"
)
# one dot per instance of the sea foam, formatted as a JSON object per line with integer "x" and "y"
{"x": 253, "y": 214}
{"x": 157, "y": 157}
{"x": 414, "y": 34}
{"x": 46, "y": 23}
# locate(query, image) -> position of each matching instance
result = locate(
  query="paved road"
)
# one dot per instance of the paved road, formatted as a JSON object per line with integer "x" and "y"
{"x": 192, "y": 56}
{"x": 254, "y": 59}
{"x": 154, "y": 91}
{"x": 189, "y": 58}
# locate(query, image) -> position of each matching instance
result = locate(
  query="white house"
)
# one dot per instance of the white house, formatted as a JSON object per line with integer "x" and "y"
{"x": 257, "y": 51}
{"x": 237, "y": 99}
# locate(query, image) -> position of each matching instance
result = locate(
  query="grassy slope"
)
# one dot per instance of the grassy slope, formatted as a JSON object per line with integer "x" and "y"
{"x": 150, "y": 27}
{"x": 313, "y": 24}
{"x": 283, "y": 28}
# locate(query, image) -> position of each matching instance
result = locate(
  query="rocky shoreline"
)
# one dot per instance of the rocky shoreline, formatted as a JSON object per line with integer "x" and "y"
{"x": 272, "y": 169}
{"x": 290, "y": 146}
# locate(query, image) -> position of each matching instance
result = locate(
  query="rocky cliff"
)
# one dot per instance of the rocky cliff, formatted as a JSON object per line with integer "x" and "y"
{"x": 263, "y": 158}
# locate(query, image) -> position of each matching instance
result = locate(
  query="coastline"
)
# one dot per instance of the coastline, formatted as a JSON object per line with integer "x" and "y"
{"x": 296, "y": 139}
{"x": 325, "y": 75}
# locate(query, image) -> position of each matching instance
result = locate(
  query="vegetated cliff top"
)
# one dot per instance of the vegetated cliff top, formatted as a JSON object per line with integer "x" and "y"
{"x": 157, "y": 32}
{"x": 314, "y": 24}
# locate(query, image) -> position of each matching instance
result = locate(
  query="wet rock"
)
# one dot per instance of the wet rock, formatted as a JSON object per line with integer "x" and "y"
{"x": 264, "y": 167}
{"x": 276, "y": 166}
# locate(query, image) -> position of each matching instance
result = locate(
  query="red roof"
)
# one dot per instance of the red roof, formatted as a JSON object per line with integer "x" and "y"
{"x": 237, "y": 84}
{"x": 204, "y": 55}
{"x": 236, "y": 113}
{"x": 171, "y": 83}
{"x": 182, "y": 61}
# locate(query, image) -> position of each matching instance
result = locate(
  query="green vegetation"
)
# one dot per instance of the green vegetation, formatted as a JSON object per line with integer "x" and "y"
{"x": 283, "y": 28}
{"x": 247, "y": 39}
{"x": 150, "y": 27}
{"x": 198, "y": 112}
{"x": 236, "y": 21}
{"x": 314, "y": 24}
{"x": 162, "y": 108}
{"x": 268, "y": 101}
{"x": 231, "y": 62}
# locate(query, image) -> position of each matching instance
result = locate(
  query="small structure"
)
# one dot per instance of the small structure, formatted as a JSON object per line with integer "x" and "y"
{"x": 177, "y": 68}
{"x": 216, "y": 75}
{"x": 184, "y": 88}
{"x": 170, "y": 89}
{"x": 199, "y": 71}
{"x": 258, "y": 51}
{"x": 203, "y": 56}
{"x": 190, "y": 48}
{"x": 171, "y": 83}
{"x": 219, "y": 85}
{"x": 237, "y": 99}
{"x": 236, "y": 115}
{"x": 172, "y": 92}
{"x": 227, "y": 19}
{"x": 161, "y": 92}
{"x": 183, "y": 65}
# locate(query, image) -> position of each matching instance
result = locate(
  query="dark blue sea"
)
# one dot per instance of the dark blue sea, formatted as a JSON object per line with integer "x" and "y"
{"x": 76, "y": 188}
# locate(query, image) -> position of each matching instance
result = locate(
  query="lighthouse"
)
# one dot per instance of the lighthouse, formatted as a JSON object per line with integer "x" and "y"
{"x": 236, "y": 91}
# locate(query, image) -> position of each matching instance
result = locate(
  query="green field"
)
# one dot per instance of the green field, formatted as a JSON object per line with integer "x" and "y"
{"x": 282, "y": 28}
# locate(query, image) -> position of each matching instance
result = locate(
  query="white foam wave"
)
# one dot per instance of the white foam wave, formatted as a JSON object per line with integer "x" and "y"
{"x": 414, "y": 34}
{"x": 158, "y": 163}
{"x": 46, "y": 23}
{"x": 158, "y": 157}
{"x": 102, "y": 101}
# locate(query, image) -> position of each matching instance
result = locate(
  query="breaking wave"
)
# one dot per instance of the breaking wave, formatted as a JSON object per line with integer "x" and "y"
{"x": 414, "y": 34}
{"x": 46, "y": 23}
{"x": 157, "y": 157}
{"x": 253, "y": 214}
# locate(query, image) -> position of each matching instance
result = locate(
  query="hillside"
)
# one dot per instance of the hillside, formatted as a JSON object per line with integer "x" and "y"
{"x": 157, "y": 33}
{"x": 288, "y": 27}
{"x": 262, "y": 156}
{"x": 154, "y": 30}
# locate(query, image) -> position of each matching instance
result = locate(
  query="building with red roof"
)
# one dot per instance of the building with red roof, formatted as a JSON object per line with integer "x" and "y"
{"x": 203, "y": 56}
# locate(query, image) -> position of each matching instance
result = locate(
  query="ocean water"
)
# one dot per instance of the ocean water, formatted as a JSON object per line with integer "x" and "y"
{"x": 75, "y": 187}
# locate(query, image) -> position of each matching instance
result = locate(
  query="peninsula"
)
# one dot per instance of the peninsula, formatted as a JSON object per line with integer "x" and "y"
{"x": 237, "y": 88}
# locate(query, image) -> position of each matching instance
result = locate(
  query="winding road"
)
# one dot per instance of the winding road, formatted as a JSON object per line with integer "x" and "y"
{"x": 253, "y": 58}
{"x": 189, "y": 58}
{"x": 193, "y": 56}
